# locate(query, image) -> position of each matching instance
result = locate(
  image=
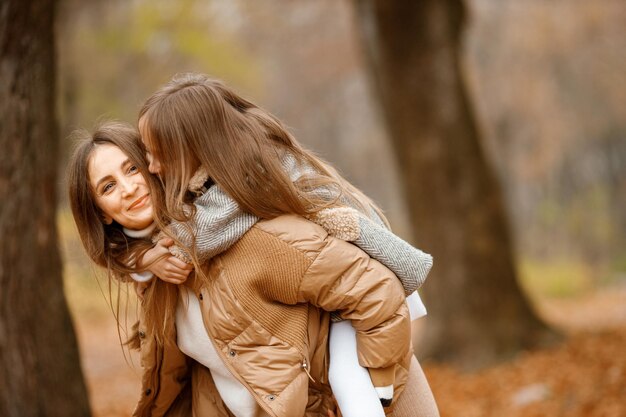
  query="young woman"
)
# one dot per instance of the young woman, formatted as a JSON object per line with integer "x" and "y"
{"x": 264, "y": 296}
{"x": 196, "y": 128}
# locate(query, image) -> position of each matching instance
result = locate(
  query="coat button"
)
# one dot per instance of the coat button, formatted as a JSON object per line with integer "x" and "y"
{"x": 142, "y": 334}
{"x": 271, "y": 397}
{"x": 232, "y": 353}
{"x": 148, "y": 391}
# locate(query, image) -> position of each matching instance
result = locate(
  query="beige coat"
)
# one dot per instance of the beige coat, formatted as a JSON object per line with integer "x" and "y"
{"x": 265, "y": 306}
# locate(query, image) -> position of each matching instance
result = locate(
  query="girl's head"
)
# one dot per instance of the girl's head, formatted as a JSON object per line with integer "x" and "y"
{"x": 109, "y": 188}
{"x": 197, "y": 121}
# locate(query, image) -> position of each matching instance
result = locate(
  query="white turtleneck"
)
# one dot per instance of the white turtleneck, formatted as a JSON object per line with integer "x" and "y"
{"x": 140, "y": 234}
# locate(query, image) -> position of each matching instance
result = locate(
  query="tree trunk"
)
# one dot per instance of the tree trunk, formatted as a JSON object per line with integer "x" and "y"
{"x": 477, "y": 312}
{"x": 40, "y": 372}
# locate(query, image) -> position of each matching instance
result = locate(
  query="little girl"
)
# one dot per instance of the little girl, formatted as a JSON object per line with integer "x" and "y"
{"x": 241, "y": 165}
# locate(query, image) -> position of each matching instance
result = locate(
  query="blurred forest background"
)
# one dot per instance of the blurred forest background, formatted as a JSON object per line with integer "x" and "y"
{"x": 547, "y": 78}
{"x": 547, "y": 83}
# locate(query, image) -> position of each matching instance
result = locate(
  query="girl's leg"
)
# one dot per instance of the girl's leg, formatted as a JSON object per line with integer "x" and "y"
{"x": 350, "y": 382}
{"x": 417, "y": 399}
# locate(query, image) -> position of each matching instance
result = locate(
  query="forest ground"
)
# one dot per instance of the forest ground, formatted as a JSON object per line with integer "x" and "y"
{"x": 585, "y": 375}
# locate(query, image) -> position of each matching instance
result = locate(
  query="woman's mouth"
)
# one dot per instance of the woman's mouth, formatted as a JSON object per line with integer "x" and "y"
{"x": 139, "y": 203}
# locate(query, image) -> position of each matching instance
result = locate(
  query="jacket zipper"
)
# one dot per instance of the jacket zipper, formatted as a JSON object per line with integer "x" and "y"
{"x": 305, "y": 366}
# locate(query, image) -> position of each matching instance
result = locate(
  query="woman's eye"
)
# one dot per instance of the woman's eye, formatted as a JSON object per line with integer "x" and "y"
{"x": 107, "y": 187}
{"x": 133, "y": 169}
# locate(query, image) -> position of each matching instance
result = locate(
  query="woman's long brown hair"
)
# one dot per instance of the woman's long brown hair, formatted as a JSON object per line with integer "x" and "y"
{"x": 107, "y": 245}
{"x": 197, "y": 121}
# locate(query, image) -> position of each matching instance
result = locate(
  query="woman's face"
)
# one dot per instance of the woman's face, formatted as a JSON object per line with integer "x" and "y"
{"x": 120, "y": 190}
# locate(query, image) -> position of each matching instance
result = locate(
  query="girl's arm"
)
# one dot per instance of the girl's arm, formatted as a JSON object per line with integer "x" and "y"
{"x": 159, "y": 262}
{"x": 408, "y": 263}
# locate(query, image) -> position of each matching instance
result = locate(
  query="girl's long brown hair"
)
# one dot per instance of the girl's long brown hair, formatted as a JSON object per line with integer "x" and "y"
{"x": 107, "y": 245}
{"x": 197, "y": 121}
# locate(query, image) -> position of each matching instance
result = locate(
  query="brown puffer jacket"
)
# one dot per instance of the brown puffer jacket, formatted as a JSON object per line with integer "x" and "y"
{"x": 266, "y": 308}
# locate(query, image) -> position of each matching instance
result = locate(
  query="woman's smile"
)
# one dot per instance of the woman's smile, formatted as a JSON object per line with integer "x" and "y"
{"x": 140, "y": 202}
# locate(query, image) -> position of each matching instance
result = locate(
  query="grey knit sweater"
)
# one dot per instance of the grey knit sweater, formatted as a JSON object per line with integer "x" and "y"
{"x": 218, "y": 223}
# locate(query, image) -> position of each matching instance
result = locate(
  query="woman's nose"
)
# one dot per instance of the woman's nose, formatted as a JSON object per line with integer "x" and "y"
{"x": 129, "y": 187}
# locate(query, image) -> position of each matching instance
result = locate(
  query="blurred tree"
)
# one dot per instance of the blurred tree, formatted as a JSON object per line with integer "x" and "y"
{"x": 478, "y": 313}
{"x": 40, "y": 372}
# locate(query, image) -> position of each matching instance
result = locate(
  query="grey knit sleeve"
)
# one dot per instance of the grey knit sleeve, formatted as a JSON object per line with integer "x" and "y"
{"x": 410, "y": 264}
{"x": 217, "y": 224}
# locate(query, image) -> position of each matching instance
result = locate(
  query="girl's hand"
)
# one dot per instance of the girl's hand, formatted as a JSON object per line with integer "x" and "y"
{"x": 164, "y": 265}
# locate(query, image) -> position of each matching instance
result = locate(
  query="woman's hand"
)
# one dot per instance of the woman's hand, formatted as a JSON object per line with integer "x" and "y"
{"x": 164, "y": 265}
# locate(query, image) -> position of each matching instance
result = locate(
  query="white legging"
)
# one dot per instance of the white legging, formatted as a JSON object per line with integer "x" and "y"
{"x": 350, "y": 382}
{"x": 353, "y": 389}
